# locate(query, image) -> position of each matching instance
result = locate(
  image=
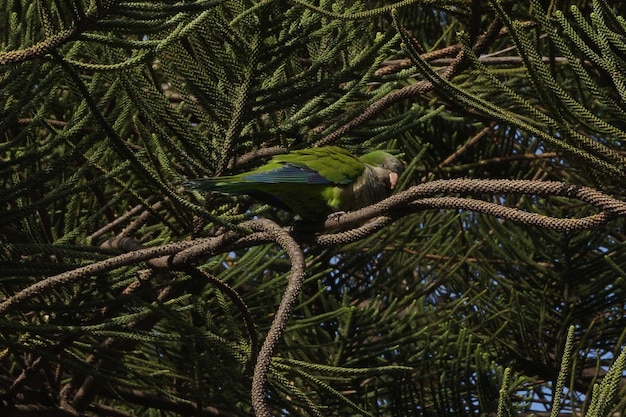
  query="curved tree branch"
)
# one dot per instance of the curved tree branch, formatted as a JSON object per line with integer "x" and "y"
{"x": 287, "y": 302}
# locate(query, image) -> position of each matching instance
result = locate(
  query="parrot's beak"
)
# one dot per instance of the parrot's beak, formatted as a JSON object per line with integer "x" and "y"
{"x": 393, "y": 180}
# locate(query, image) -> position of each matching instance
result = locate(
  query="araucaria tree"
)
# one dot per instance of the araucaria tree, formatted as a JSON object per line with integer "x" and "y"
{"x": 492, "y": 281}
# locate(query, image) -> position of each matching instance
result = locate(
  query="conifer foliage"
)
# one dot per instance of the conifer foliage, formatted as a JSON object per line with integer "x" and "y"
{"x": 492, "y": 283}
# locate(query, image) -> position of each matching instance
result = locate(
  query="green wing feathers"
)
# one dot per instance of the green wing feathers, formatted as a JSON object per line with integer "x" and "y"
{"x": 335, "y": 164}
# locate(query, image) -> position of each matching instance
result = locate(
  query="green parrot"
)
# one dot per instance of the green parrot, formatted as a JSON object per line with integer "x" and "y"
{"x": 314, "y": 183}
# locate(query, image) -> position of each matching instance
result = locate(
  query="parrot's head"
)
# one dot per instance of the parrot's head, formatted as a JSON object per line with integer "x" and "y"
{"x": 386, "y": 166}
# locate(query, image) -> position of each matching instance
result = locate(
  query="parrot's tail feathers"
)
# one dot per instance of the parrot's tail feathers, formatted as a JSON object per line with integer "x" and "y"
{"x": 207, "y": 184}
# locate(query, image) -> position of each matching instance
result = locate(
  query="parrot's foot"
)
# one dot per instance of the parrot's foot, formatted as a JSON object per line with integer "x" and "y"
{"x": 335, "y": 216}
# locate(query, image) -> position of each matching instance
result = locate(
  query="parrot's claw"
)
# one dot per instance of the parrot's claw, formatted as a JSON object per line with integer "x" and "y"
{"x": 335, "y": 216}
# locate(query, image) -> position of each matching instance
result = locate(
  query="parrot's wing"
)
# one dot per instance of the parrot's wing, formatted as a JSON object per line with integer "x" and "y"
{"x": 325, "y": 165}
{"x": 287, "y": 173}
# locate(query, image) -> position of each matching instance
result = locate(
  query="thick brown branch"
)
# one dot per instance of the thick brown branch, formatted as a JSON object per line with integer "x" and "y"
{"x": 287, "y": 302}
{"x": 603, "y": 202}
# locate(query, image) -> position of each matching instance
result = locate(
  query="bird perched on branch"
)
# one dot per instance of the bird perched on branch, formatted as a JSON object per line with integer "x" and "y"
{"x": 314, "y": 183}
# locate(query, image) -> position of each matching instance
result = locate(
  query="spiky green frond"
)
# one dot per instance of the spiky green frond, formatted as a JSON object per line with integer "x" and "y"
{"x": 122, "y": 293}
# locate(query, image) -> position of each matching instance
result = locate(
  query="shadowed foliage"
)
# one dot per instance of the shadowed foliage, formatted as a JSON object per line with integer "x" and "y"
{"x": 491, "y": 283}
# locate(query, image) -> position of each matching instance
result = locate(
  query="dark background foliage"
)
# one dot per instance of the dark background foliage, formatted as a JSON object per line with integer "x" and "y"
{"x": 108, "y": 106}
